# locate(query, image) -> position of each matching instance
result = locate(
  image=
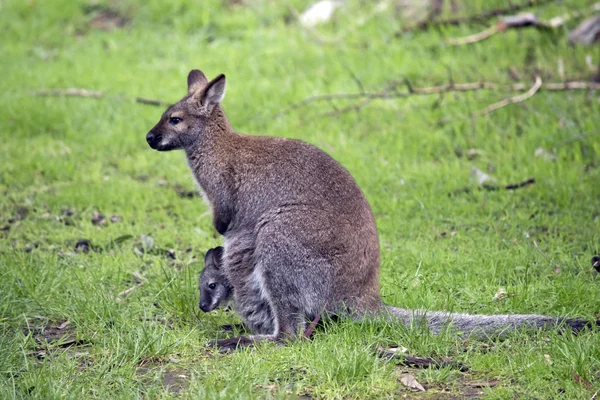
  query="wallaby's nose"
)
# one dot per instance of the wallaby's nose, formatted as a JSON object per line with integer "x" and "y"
{"x": 150, "y": 138}
{"x": 204, "y": 307}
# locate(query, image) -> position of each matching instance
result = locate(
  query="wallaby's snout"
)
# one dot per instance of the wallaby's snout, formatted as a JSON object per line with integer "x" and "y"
{"x": 152, "y": 139}
{"x": 205, "y": 307}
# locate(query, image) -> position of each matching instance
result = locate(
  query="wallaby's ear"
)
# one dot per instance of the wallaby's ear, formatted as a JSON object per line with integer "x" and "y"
{"x": 215, "y": 256}
{"x": 196, "y": 80}
{"x": 218, "y": 256}
{"x": 213, "y": 93}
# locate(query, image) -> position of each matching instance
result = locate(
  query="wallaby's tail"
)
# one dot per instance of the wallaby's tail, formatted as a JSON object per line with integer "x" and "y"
{"x": 435, "y": 321}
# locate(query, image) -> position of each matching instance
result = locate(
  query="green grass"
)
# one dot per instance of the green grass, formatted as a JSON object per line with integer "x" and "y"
{"x": 443, "y": 247}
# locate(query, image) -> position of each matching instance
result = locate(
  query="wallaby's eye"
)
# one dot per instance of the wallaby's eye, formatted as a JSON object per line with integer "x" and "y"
{"x": 174, "y": 120}
{"x": 212, "y": 285}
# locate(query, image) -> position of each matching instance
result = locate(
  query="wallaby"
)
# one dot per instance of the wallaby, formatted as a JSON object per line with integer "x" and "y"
{"x": 216, "y": 291}
{"x": 300, "y": 237}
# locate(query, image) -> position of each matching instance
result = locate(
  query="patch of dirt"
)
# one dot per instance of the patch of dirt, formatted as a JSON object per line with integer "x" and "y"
{"x": 59, "y": 333}
{"x": 467, "y": 386}
{"x": 54, "y": 336}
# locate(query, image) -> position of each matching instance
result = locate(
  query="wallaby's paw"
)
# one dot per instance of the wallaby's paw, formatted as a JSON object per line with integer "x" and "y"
{"x": 231, "y": 344}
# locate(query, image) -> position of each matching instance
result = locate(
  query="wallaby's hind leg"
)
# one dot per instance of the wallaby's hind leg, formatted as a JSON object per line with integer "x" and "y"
{"x": 294, "y": 277}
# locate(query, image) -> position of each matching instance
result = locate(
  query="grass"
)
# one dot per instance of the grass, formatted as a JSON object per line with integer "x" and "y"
{"x": 443, "y": 247}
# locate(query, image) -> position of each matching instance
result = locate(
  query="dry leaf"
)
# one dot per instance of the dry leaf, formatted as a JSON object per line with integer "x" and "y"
{"x": 411, "y": 382}
{"x": 500, "y": 294}
{"x": 63, "y": 325}
{"x": 547, "y": 357}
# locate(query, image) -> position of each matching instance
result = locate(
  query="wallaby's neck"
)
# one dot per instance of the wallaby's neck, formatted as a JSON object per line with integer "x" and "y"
{"x": 216, "y": 132}
{"x": 210, "y": 155}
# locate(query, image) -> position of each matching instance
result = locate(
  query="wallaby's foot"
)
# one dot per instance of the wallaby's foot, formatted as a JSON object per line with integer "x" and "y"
{"x": 231, "y": 344}
{"x": 236, "y": 343}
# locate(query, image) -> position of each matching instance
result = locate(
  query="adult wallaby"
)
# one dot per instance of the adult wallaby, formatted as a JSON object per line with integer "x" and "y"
{"x": 300, "y": 236}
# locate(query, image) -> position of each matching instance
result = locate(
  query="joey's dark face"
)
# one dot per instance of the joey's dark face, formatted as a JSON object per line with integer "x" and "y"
{"x": 214, "y": 293}
{"x": 215, "y": 289}
{"x": 184, "y": 123}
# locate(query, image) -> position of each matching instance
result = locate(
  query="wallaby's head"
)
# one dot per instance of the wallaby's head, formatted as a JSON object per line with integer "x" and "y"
{"x": 184, "y": 123}
{"x": 215, "y": 289}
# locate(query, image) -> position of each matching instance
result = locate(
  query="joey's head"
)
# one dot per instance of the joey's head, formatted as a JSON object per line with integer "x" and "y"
{"x": 185, "y": 122}
{"x": 215, "y": 289}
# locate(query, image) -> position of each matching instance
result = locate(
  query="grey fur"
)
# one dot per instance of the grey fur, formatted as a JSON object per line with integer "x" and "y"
{"x": 215, "y": 289}
{"x": 300, "y": 236}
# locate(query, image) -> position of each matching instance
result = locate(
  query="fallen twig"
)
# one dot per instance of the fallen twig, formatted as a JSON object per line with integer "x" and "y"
{"x": 513, "y": 186}
{"x": 391, "y": 92}
{"x": 141, "y": 280}
{"x": 79, "y": 92}
{"x": 511, "y": 100}
{"x": 127, "y": 291}
{"x": 421, "y": 362}
{"x": 522, "y": 21}
{"x": 478, "y": 37}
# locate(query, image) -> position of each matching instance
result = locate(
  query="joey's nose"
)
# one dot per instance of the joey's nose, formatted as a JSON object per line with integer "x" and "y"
{"x": 204, "y": 307}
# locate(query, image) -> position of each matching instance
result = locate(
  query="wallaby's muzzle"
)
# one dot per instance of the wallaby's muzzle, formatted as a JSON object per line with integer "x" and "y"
{"x": 153, "y": 140}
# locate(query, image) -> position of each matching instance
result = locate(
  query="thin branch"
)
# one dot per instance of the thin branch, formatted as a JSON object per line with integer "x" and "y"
{"x": 519, "y": 21}
{"x": 392, "y": 93}
{"x": 79, "y": 92}
{"x": 420, "y": 362}
{"x": 127, "y": 292}
{"x": 511, "y": 100}
{"x": 75, "y": 92}
{"x": 478, "y": 37}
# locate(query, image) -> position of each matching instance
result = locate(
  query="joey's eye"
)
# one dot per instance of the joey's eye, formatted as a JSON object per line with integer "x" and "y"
{"x": 174, "y": 120}
{"x": 212, "y": 285}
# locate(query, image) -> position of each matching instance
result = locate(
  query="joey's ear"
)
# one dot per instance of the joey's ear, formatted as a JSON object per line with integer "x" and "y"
{"x": 214, "y": 256}
{"x": 196, "y": 81}
{"x": 208, "y": 256}
{"x": 218, "y": 256}
{"x": 213, "y": 93}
